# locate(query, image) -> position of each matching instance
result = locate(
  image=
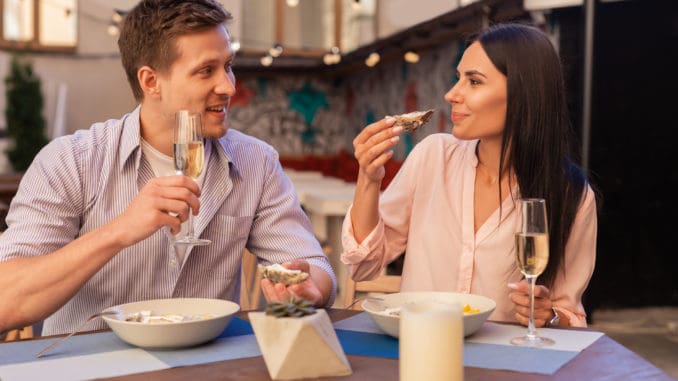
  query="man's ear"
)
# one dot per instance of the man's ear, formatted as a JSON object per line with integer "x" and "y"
{"x": 148, "y": 80}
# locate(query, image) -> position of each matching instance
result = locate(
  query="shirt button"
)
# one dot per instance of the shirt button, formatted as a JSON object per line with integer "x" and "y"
{"x": 173, "y": 262}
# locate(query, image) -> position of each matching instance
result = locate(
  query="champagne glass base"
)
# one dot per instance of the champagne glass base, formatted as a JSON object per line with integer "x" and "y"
{"x": 532, "y": 341}
{"x": 189, "y": 241}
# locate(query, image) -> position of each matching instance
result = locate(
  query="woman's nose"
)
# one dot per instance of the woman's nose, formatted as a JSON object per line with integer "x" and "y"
{"x": 452, "y": 95}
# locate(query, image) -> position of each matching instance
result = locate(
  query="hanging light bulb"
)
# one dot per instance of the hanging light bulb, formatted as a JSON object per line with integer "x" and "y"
{"x": 235, "y": 45}
{"x": 266, "y": 60}
{"x": 373, "y": 59}
{"x": 117, "y": 16}
{"x": 113, "y": 29}
{"x": 276, "y": 50}
{"x": 411, "y": 57}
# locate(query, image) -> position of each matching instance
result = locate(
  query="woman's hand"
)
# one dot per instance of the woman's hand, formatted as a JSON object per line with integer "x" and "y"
{"x": 543, "y": 312}
{"x": 372, "y": 148}
{"x": 308, "y": 290}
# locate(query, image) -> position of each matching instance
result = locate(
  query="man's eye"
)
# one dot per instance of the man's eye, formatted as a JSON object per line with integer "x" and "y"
{"x": 206, "y": 71}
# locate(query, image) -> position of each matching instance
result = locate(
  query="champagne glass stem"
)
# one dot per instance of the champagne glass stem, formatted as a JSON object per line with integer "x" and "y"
{"x": 531, "y": 331}
{"x": 190, "y": 222}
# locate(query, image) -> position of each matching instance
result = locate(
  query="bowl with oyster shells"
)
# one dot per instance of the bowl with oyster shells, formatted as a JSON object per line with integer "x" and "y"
{"x": 170, "y": 323}
{"x": 385, "y": 309}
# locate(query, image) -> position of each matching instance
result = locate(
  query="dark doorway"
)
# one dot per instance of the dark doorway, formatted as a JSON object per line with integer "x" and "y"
{"x": 634, "y": 134}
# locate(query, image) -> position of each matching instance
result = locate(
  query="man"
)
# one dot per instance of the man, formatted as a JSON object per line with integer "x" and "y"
{"x": 90, "y": 225}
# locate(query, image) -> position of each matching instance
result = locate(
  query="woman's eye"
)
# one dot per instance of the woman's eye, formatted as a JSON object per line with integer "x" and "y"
{"x": 206, "y": 71}
{"x": 474, "y": 82}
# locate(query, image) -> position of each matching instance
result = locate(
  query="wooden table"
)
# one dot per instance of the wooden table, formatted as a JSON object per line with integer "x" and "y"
{"x": 605, "y": 359}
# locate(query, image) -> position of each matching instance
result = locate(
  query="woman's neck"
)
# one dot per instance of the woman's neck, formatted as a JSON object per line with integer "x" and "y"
{"x": 488, "y": 154}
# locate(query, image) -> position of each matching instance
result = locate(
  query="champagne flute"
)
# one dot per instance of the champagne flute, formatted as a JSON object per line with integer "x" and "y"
{"x": 189, "y": 160}
{"x": 532, "y": 251}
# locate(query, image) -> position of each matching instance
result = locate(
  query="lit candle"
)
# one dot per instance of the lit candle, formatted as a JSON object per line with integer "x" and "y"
{"x": 431, "y": 342}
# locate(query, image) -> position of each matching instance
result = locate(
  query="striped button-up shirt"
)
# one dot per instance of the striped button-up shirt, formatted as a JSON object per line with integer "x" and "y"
{"x": 81, "y": 181}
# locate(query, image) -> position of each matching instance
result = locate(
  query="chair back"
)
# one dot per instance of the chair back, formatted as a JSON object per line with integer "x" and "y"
{"x": 250, "y": 282}
{"x": 384, "y": 284}
{"x": 19, "y": 334}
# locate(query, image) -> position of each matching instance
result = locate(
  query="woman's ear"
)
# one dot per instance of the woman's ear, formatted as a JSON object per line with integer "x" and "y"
{"x": 148, "y": 80}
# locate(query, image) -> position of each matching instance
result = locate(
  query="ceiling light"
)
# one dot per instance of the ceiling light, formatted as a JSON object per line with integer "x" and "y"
{"x": 113, "y": 30}
{"x": 276, "y": 50}
{"x": 235, "y": 45}
{"x": 411, "y": 57}
{"x": 373, "y": 59}
{"x": 266, "y": 60}
{"x": 117, "y": 16}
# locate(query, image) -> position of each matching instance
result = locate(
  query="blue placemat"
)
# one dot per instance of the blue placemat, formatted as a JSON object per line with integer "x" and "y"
{"x": 367, "y": 344}
{"x": 237, "y": 327}
{"x": 79, "y": 345}
{"x": 358, "y": 336}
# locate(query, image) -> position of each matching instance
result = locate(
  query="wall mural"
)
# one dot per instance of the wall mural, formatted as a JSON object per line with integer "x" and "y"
{"x": 310, "y": 116}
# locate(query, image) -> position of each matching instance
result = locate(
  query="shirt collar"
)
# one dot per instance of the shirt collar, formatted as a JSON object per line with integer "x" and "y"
{"x": 130, "y": 143}
{"x": 131, "y": 137}
{"x": 226, "y": 146}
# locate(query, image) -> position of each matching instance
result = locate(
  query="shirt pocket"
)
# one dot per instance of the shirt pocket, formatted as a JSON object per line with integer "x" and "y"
{"x": 229, "y": 236}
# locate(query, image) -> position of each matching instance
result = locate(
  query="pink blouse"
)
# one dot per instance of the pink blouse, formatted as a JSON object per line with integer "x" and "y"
{"x": 427, "y": 211}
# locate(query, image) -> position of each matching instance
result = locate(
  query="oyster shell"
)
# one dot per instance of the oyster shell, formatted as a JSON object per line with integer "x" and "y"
{"x": 413, "y": 120}
{"x": 278, "y": 274}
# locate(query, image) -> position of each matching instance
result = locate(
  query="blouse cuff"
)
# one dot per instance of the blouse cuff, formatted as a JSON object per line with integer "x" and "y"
{"x": 575, "y": 319}
{"x": 355, "y": 252}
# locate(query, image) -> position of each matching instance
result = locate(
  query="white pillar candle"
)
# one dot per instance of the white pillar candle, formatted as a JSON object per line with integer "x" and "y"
{"x": 431, "y": 342}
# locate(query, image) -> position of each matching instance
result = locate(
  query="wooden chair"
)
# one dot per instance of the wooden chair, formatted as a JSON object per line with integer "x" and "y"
{"x": 19, "y": 334}
{"x": 383, "y": 284}
{"x": 250, "y": 286}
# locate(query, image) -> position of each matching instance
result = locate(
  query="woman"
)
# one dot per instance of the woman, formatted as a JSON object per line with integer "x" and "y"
{"x": 452, "y": 205}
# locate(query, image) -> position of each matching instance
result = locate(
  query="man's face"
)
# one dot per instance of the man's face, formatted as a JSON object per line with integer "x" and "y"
{"x": 201, "y": 79}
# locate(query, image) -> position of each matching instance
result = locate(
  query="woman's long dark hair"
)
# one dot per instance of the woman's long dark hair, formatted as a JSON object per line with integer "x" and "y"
{"x": 537, "y": 135}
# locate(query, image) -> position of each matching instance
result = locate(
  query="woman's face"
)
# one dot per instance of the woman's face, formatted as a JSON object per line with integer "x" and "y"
{"x": 478, "y": 99}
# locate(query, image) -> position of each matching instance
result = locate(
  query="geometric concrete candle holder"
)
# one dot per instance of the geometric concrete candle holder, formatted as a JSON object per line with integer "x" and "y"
{"x": 299, "y": 347}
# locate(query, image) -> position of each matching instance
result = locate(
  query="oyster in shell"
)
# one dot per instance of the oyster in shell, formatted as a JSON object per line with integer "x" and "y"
{"x": 413, "y": 120}
{"x": 278, "y": 274}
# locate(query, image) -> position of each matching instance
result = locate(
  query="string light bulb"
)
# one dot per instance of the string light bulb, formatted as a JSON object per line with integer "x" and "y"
{"x": 113, "y": 29}
{"x": 373, "y": 59}
{"x": 276, "y": 50}
{"x": 333, "y": 57}
{"x": 411, "y": 57}
{"x": 266, "y": 60}
{"x": 235, "y": 45}
{"x": 117, "y": 16}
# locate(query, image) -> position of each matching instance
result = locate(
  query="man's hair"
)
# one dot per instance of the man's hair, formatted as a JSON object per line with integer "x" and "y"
{"x": 149, "y": 32}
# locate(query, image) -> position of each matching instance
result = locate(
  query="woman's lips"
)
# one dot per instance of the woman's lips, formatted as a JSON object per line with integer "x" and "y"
{"x": 457, "y": 116}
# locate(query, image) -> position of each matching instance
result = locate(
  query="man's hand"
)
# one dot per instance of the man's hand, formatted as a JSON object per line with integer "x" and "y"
{"x": 542, "y": 303}
{"x": 163, "y": 201}
{"x": 308, "y": 290}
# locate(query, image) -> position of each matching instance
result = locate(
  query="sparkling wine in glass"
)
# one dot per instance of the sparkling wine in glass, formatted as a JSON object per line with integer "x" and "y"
{"x": 532, "y": 254}
{"x": 189, "y": 160}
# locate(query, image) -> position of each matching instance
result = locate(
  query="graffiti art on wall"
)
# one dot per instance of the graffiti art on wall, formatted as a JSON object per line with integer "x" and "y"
{"x": 299, "y": 115}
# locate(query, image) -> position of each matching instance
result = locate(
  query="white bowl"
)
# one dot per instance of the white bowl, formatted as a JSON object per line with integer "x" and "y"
{"x": 172, "y": 335}
{"x": 390, "y": 323}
